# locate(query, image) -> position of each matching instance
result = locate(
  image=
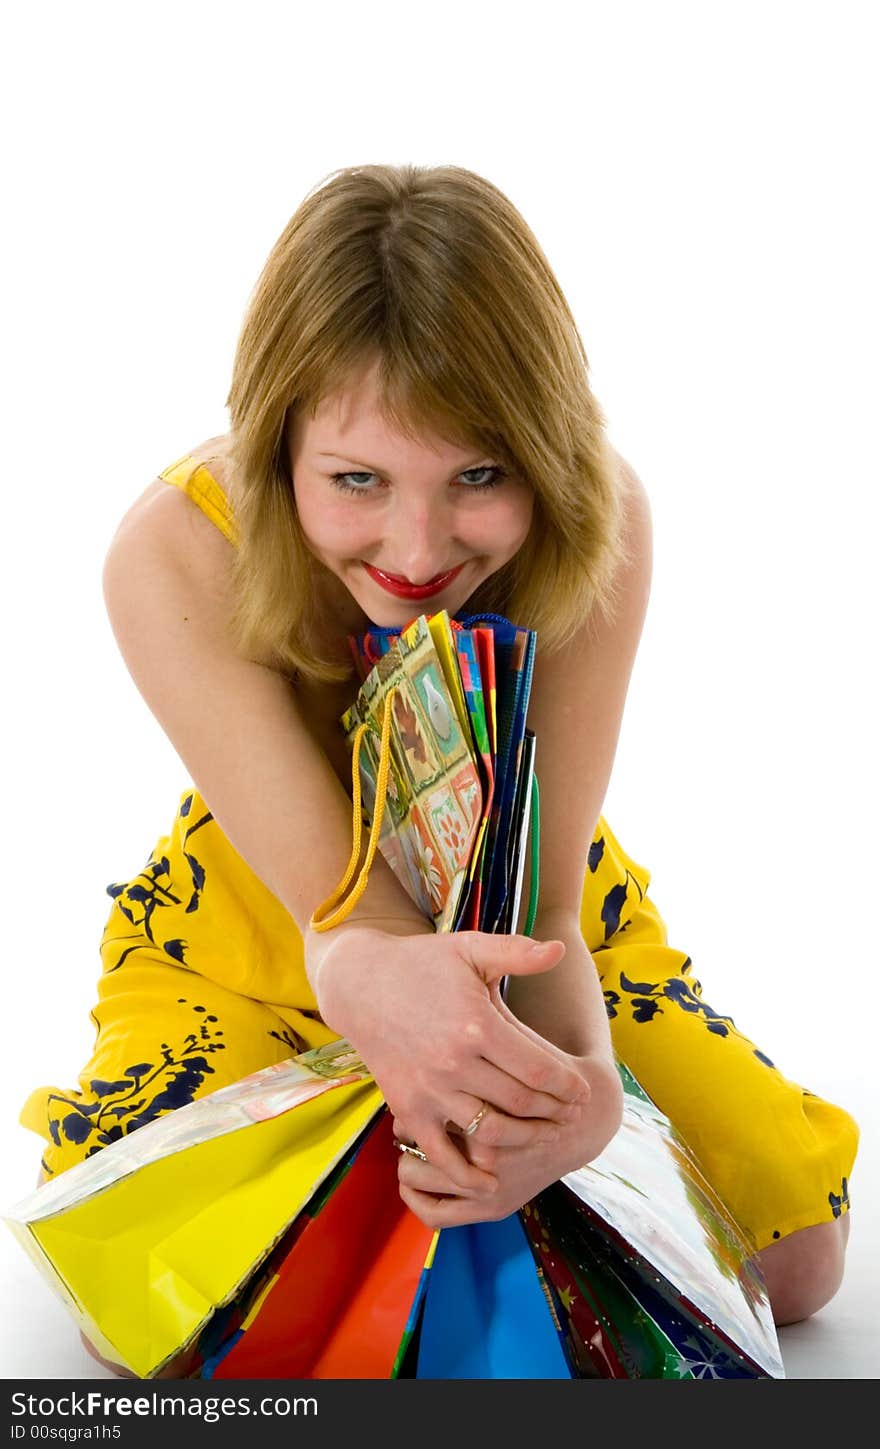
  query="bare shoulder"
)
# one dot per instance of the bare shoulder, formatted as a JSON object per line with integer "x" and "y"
{"x": 637, "y": 503}
{"x": 214, "y": 453}
{"x": 164, "y": 506}
{"x": 165, "y": 524}
{"x": 636, "y": 567}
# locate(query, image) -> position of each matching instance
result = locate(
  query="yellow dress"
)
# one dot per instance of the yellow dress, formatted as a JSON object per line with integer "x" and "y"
{"x": 203, "y": 982}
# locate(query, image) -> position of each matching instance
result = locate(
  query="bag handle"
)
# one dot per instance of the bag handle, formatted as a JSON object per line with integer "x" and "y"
{"x": 317, "y": 922}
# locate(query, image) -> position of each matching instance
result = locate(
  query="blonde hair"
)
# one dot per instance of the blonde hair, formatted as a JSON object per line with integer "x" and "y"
{"x": 433, "y": 272}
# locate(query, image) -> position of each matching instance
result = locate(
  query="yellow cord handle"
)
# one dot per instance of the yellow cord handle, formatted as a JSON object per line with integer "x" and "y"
{"x": 318, "y": 923}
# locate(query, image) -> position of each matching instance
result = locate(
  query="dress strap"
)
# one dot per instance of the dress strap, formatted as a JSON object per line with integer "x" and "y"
{"x": 195, "y": 479}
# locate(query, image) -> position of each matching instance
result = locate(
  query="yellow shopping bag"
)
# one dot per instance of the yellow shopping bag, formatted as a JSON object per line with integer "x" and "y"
{"x": 144, "y": 1240}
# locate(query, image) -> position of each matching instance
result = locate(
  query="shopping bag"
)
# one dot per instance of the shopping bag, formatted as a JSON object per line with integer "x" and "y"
{"x": 486, "y": 1313}
{"x": 618, "y": 1324}
{"x": 515, "y": 655}
{"x": 342, "y": 1299}
{"x": 146, "y": 1239}
{"x": 644, "y": 1206}
{"x": 439, "y": 756}
{"x": 412, "y": 755}
{"x": 605, "y": 1330}
{"x": 638, "y": 1271}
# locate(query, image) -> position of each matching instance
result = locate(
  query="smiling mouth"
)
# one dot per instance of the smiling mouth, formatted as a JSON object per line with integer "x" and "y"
{"x": 396, "y": 582}
{"x": 401, "y": 579}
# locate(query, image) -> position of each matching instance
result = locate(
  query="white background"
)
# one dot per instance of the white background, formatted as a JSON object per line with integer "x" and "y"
{"x": 702, "y": 179}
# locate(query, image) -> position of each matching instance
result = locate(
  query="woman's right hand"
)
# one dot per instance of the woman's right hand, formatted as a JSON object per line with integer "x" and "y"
{"x": 422, "y": 1012}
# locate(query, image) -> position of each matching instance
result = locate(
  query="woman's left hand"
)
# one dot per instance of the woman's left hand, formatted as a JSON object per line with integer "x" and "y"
{"x": 521, "y": 1171}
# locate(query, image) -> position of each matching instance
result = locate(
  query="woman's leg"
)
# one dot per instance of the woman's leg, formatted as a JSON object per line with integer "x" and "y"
{"x": 778, "y": 1156}
{"x": 804, "y": 1270}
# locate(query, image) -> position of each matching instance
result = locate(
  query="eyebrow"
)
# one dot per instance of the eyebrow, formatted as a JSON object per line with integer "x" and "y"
{"x": 383, "y": 472}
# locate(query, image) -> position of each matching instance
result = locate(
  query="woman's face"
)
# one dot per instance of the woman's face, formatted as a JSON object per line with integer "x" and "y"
{"x": 415, "y": 510}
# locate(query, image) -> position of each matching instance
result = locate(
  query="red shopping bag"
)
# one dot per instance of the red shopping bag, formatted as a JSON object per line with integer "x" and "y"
{"x": 343, "y": 1302}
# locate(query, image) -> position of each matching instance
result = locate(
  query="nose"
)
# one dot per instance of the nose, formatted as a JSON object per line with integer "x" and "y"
{"x": 419, "y": 547}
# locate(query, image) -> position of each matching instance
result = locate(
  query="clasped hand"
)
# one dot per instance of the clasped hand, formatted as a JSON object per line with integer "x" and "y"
{"x": 519, "y": 1169}
{"x": 425, "y": 1013}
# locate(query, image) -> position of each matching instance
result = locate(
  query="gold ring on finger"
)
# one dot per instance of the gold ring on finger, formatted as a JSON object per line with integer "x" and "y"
{"x": 411, "y": 1148}
{"x": 474, "y": 1123}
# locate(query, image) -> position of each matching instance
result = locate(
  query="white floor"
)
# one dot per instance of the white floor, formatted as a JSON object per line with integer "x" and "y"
{"x": 39, "y": 1340}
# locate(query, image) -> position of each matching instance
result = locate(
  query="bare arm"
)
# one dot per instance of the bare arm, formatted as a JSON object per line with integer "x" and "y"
{"x": 576, "y": 710}
{"x": 234, "y": 722}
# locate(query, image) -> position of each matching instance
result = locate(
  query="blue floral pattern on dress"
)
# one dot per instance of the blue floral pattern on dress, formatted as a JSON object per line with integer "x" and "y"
{"x": 144, "y": 897}
{"x": 616, "y": 898}
{"x": 141, "y": 1094}
{"x": 840, "y": 1203}
{"x": 646, "y": 1000}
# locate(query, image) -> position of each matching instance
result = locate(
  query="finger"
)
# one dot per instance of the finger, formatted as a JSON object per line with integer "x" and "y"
{"x": 468, "y": 1115}
{"x": 503, "y": 1094}
{"x": 531, "y": 1061}
{"x": 494, "y": 956}
{"x": 442, "y": 1152}
{"x": 499, "y": 1129}
{"x": 528, "y": 1031}
{"x": 509, "y": 1094}
{"x": 400, "y": 1131}
{"x": 483, "y": 1156}
{"x": 444, "y": 1212}
{"x": 403, "y": 1135}
{"x": 425, "y": 1177}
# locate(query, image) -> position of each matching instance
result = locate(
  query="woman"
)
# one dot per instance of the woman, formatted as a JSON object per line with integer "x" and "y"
{"x": 412, "y": 429}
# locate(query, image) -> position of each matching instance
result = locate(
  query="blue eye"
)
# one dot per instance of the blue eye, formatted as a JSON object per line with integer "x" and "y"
{"x": 498, "y": 473}
{"x": 337, "y": 481}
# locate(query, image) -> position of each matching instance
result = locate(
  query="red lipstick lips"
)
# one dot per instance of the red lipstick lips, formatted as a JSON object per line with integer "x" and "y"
{"x": 405, "y": 590}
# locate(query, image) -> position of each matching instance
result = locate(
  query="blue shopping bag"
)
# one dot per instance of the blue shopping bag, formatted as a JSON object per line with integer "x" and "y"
{"x": 487, "y": 1314}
